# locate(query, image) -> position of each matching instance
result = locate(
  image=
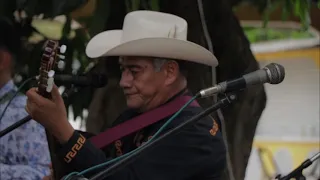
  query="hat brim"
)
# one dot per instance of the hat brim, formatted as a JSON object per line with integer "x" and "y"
{"x": 108, "y": 43}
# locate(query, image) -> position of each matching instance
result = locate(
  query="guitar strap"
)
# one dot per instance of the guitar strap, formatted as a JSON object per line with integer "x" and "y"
{"x": 139, "y": 122}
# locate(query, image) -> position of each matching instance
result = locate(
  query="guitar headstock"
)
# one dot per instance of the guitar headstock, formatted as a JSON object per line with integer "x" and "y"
{"x": 52, "y": 52}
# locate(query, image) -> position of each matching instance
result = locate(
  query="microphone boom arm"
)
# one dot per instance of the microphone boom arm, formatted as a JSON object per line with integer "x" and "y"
{"x": 297, "y": 173}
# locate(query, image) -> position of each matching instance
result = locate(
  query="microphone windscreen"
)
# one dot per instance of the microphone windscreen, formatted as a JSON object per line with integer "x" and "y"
{"x": 277, "y": 73}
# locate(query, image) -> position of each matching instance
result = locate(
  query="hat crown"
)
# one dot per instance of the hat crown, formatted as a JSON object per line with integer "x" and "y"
{"x": 152, "y": 24}
{"x": 151, "y": 34}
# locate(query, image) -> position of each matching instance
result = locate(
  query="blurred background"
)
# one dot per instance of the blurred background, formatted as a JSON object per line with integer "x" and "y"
{"x": 271, "y": 129}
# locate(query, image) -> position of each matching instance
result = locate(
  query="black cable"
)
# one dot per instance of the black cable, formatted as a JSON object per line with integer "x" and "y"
{"x": 28, "y": 118}
{"x": 24, "y": 120}
{"x": 16, "y": 93}
{"x": 120, "y": 164}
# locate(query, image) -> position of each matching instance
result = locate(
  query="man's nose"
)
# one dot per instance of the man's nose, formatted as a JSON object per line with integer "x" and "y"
{"x": 126, "y": 80}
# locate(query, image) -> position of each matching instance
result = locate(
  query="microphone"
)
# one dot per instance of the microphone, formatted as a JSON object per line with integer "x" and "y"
{"x": 272, "y": 73}
{"x": 93, "y": 80}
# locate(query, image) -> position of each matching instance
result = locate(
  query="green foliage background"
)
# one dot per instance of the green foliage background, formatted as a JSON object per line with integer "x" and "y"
{"x": 35, "y": 31}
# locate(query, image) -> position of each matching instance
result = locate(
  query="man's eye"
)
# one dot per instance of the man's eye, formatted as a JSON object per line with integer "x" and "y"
{"x": 133, "y": 72}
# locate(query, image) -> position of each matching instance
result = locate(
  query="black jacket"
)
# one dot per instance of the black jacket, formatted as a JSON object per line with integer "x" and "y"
{"x": 197, "y": 152}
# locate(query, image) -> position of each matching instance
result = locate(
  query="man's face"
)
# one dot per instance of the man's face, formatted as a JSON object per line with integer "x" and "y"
{"x": 140, "y": 81}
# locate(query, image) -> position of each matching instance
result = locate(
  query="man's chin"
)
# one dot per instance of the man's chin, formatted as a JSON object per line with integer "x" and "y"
{"x": 133, "y": 105}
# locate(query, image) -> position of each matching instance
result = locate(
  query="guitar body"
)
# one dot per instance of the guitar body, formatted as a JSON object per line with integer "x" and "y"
{"x": 45, "y": 84}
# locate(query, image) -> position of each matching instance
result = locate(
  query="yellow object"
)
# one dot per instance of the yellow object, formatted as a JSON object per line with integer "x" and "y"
{"x": 312, "y": 53}
{"x": 50, "y": 28}
{"x": 297, "y": 151}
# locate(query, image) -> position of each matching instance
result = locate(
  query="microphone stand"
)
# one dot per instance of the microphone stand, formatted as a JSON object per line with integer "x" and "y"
{"x": 121, "y": 163}
{"x": 28, "y": 118}
{"x": 297, "y": 173}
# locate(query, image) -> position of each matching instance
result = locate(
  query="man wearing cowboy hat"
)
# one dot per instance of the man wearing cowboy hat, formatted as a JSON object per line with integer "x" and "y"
{"x": 152, "y": 47}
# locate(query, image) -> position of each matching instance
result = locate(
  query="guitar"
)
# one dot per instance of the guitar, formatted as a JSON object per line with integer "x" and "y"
{"x": 45, "y": 84}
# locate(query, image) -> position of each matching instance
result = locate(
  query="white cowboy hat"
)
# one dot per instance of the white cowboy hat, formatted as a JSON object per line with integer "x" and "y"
{"x": 152, "y": 34}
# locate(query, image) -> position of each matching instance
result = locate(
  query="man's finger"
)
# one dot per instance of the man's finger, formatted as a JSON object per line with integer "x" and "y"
{"x": 27, "y": 109}
{"x": 30, "y": 106}
{"x": 31, "y": 90}
{"x": 33, "y": 96}
{"x": 32, "y": 93}
{"x": 56, "y": 97}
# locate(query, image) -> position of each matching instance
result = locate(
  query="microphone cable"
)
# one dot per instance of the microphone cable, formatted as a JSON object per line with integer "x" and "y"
{"x": 16, "y": 93}
{"x": 219, "y": 112}
{"x": 135, "y": 150}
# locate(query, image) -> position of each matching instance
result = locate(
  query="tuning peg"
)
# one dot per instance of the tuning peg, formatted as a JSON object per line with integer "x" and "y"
{"x": 63, "y": 49}
{"x": 61, "y": 65}
{"x": 62, "y": 56}
{"x": 51, "y": 73}
{"x": 50, "y": 81}
{"x": 48, "y": 49}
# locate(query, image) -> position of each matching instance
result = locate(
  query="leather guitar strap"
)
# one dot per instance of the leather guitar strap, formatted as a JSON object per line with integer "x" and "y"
{"x": 139, "y": 122}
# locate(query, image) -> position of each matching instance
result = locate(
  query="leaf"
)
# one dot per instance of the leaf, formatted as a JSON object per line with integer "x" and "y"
{"x": 79, "y": 43}
{"x": 7, "y": 8}
{"x": 261, "y": 5}
{"x": 84, "y": 20}
{"x": 100, "y": 17}
{"x": 154, "y": 5}
{"x": 135, "y": 5}
{"x": 66, "y": 6}
{"x": 128, "y": 5}
{"x": 67, "y": 27}
{"x": 265, "y": 19}
{"x": 297, "y": 7}
{"x": 304, "y": 14}
{"x": 51, "y": 29}
{"x": 21, "y": 4}
{"x": 80, "y": 102}
{"x": 287, "y": 6}
{"x": 77, "y": 108}
{"x": 272, "y": 6}
{"x": 267, "y": 13}
{"x": 144, "y": 4}
{"x": 31, "y": 7}
{"x": 49, "y": 9}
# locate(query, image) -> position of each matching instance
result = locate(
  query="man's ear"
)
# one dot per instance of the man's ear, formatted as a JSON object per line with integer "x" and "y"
{"x": 172, "y": 72}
